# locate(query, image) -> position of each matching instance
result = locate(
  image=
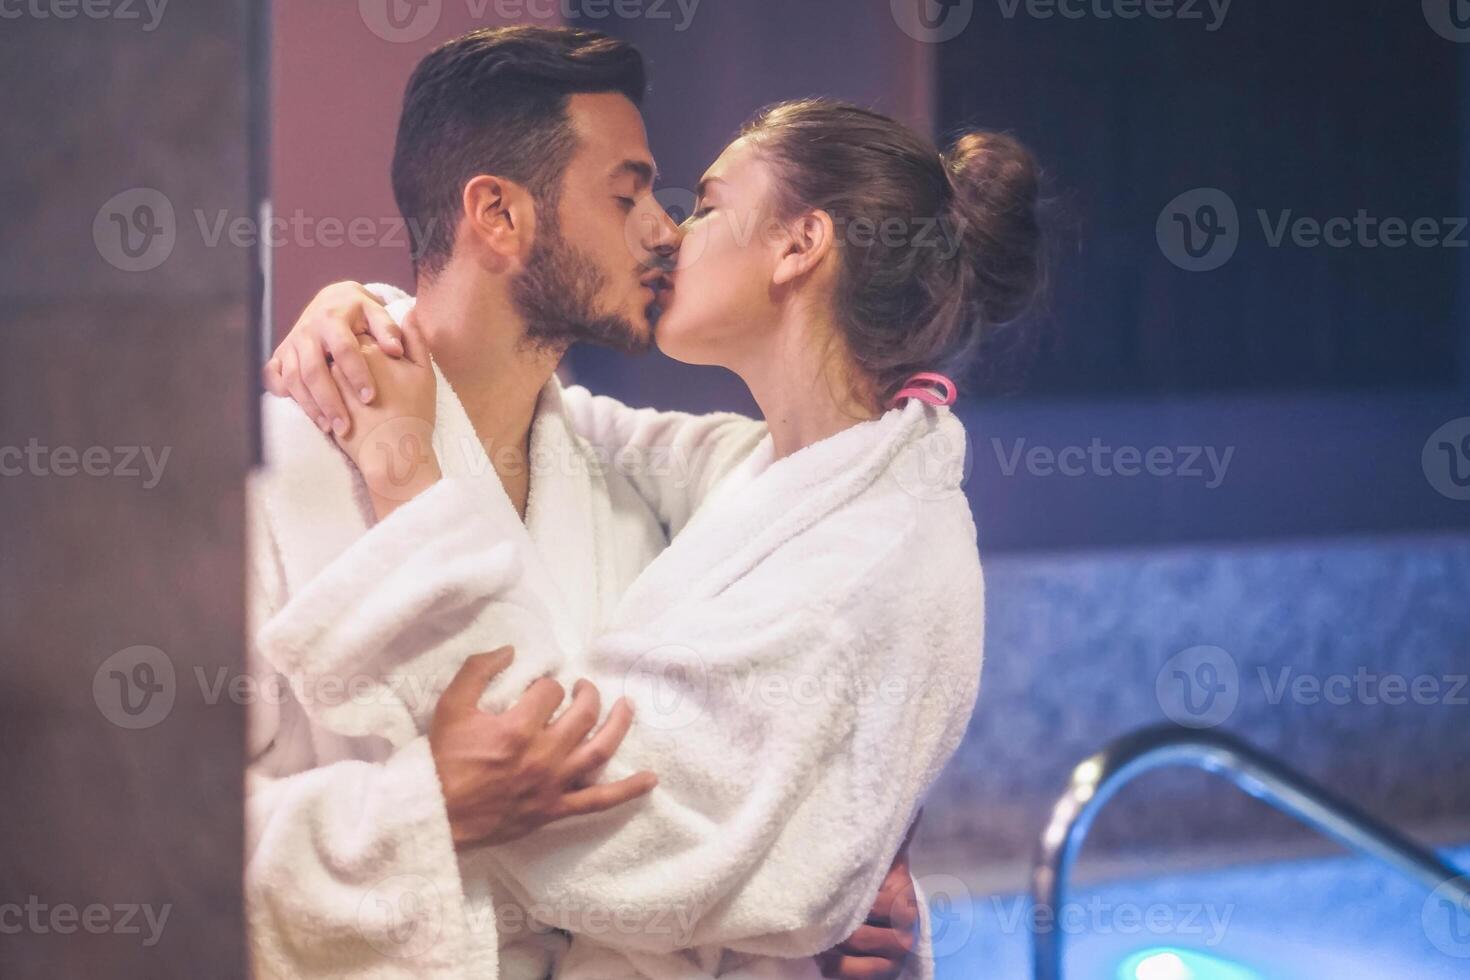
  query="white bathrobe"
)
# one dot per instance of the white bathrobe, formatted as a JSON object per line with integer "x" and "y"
{"x": 803, "y": 660}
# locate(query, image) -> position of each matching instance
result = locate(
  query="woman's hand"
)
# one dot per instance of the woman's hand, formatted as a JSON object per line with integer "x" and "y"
{"x": 391, "y": 440}
{"x": 328, "y": 332}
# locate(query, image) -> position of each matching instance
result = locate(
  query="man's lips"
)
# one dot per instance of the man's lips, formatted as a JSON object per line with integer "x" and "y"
{"x": 657, "y": 282}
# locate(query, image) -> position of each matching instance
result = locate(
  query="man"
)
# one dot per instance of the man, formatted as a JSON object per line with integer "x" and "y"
{"x": 521, "y": 164}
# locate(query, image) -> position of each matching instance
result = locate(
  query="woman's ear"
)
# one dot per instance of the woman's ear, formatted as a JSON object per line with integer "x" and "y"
{"x": 500, "y": 215}
{"x": 808, "y": 241}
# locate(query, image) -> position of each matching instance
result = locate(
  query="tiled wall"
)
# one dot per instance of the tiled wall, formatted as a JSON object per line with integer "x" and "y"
{"x": 1076, "y": 642}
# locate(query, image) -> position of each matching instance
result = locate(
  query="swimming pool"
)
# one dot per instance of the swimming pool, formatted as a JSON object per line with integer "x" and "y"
{"x": 1322, "y": 919}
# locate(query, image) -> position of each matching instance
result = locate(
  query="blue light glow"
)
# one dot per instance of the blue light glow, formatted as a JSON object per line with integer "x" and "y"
{"x": 1181, "y": 964}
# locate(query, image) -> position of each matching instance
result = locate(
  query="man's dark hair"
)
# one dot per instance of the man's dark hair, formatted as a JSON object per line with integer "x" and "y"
{"x": 495, "y": 102}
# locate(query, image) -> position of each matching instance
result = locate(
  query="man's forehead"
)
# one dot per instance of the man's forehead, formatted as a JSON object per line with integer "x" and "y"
{"x": 611, "y": 136}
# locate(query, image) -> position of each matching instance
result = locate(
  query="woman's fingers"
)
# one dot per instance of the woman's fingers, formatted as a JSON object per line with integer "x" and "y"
{"x": 415, "y": 348}
{"x": 380, "y": 325}
{"x": 346, "y": 351}
{"x": 271, "y": 379}
{"x": 317, "y": 378}
{"x": 595, "y": 799}
{"x": 296, "y": 388}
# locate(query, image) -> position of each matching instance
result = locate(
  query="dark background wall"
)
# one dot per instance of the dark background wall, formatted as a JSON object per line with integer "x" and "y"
{"x": 126, "y": 338}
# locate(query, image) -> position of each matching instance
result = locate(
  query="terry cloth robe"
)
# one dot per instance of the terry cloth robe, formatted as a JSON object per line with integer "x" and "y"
{"x": 350, "y": 870}
{"x": 803, "y": 660}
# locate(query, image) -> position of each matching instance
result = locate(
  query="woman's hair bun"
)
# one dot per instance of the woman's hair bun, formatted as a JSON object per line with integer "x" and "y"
{"x": 996, "y": 186}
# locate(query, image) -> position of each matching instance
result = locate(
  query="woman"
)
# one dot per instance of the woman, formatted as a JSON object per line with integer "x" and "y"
{"x": 822, "y": 561}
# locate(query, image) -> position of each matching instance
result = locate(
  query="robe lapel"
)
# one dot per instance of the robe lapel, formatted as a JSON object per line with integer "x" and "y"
{"x": 567, "y": 515}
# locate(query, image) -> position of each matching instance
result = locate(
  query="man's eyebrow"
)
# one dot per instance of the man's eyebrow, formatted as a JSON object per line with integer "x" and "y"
{"x": 643, "y": 172}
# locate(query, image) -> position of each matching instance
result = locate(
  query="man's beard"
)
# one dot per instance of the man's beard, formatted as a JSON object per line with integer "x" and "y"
{"x": 557, "y": 296}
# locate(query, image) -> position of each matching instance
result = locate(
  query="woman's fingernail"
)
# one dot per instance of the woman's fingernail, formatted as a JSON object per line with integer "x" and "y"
{"x": 367, "y": 395}
{"x": 339, "y": 426}
{"x": 323, "y": 424}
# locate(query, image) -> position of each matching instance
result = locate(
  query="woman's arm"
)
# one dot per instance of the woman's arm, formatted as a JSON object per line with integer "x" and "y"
{"x": 672, "y": 459}
{"x": 793, "y": 731}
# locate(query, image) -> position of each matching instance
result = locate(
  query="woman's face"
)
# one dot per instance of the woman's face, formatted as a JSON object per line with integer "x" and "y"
{"x": 720, "y": 305}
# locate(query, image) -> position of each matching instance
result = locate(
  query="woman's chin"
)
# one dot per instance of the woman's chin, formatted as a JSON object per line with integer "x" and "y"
{"x": 672, "y": 337}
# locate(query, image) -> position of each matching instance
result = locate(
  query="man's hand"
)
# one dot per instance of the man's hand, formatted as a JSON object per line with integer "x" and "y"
{"x": 506, "y": 775}
{"x": 329, "y": 330}
{"x": 882, "y": 946}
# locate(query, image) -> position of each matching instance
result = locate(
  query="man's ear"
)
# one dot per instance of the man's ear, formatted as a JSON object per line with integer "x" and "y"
{"x": 501, "y": 215}
{"x": 807, "y": 241}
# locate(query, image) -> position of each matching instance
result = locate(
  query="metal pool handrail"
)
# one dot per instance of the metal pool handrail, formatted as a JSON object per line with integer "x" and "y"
{"x": 1097, "y": 779}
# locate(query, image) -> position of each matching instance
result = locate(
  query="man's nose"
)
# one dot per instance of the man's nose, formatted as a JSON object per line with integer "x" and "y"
{"x": 664, "y": 234}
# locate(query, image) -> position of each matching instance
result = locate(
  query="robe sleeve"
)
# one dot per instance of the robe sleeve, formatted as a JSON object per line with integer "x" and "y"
{"x": 794, "y": 721}
{"x": 672, "y": 459}
{"x": 350, "y": 867}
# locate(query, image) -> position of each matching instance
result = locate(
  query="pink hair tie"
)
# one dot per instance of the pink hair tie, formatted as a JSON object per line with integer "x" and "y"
{"x": 921, "y": 386}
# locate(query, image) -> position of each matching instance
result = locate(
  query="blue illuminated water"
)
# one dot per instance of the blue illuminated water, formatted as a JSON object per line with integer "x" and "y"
{"x": 1324, "y": 919}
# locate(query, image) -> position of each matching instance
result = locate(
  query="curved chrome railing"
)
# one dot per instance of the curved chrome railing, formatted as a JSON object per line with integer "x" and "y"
{"x": 1098, "y": 778}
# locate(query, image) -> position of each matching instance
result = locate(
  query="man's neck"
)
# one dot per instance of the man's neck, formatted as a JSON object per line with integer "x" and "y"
{"x": 476, "y": 336}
